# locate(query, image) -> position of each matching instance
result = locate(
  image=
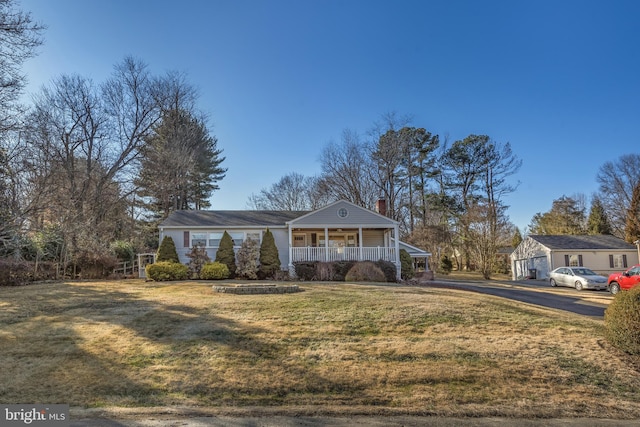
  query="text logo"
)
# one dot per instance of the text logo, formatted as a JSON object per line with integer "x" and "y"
{"x": 34, "y": 415}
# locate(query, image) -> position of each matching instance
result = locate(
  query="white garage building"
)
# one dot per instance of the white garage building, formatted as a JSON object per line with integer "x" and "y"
{"x": 537, "y": 255}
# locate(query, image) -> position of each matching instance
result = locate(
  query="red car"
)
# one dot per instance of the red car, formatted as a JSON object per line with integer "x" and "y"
{"x": 625, "y": 280}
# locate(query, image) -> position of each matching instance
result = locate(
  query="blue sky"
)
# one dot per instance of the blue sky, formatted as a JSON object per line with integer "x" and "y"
{"x": 559, "y": 80}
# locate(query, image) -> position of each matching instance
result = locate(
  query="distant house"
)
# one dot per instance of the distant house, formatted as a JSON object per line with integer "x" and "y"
{"x": 537, "y": 255}
{"x": 339, "y": 231}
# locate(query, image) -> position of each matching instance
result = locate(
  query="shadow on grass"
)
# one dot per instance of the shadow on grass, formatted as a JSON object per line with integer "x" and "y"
{"x": 93, "y": 345}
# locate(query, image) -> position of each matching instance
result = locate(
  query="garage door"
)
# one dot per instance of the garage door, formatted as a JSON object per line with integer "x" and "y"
{"x": 542, "y": 267}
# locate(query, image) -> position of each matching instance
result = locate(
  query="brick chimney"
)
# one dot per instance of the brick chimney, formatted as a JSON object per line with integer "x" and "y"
{"x": 381, "y": 207}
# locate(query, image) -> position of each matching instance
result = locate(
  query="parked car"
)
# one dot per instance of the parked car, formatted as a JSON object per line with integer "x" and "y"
{"x": 577, "y": 277}
{"x": 625, "y": 280}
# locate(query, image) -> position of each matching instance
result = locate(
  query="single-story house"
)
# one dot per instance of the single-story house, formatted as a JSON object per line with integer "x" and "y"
{"x": 537, "y": 255}
{"x": 337, "y": 232}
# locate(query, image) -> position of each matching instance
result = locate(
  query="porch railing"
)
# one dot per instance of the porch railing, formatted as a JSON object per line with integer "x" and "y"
{"x": 343, "y": 254}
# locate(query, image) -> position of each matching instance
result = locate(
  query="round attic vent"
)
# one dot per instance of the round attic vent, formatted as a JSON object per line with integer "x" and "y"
{"x": 343, "y": 212}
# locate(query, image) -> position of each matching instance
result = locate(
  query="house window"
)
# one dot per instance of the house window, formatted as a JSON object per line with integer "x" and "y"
{"x": 214, "y": 239}
{"x": 253, "y": 236}
{"x": 237, "y": 238}
{"x": 343, "y": 212}
{"x": 618, "y": 261}
{"x": 198, "y": 239}
{"x": 573, "y": 260}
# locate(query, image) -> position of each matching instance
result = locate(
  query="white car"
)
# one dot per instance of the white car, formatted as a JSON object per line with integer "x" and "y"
{"x": 577, "y": 277}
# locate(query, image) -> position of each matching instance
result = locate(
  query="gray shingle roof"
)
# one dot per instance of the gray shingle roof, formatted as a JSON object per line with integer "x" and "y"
{"x": 229, "y": 218}
{"x": 582, "y": 242}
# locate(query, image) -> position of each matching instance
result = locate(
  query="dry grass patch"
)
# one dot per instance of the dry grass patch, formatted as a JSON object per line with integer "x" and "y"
{"x": 334, "y": 348}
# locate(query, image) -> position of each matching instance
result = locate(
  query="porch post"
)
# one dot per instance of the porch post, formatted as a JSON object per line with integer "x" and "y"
{"x": 291, "y": 268}
{"x": 326, "y": 244}
{"x": 396, "y": 234}
{"x": 360, "y": 243}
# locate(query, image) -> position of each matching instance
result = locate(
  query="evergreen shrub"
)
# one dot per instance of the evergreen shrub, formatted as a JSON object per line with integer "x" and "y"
{"x": 165, "y": 271}
{"x": 215, "y": 271}
{"x": 269, "y": 258}
{"x": 406, "y": 265}
{"x": 365, "y": 271}
{"x": 622, "y": 321}
{"x": 445, "y": 265}
{"x": 388, "y": 269}
{"x": 167, "y": 251}
{"x": 226, "y": 254}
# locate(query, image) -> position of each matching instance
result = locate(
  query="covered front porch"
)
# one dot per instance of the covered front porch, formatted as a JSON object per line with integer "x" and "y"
{"x": 338, "y": 244}
{"x": 343, "y": 231}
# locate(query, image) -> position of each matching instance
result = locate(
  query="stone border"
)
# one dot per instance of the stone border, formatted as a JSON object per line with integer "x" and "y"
{"x": 256, "y": 289}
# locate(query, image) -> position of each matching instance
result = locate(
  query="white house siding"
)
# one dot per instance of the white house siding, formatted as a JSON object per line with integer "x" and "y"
{"x": 178, "y": 240}
{"x": 372, "y": 238}
{"x": 280, "y": 236}
{"x": 529, "y": 255}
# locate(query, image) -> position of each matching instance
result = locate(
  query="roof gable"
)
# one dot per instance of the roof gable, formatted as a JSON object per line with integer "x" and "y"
{"x": 591, "y": 242}
{"x": 343, "y": 213}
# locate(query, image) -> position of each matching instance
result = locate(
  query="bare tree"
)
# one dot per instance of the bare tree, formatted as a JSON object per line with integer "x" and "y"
{"x": 489, "y": 225}
{"x": 617, "y": 181}
{"x": 86, "y": 142}
{"x": 293, "y": 192}
{"x": 346, "y": 171}
{"x": 19, "y": 38}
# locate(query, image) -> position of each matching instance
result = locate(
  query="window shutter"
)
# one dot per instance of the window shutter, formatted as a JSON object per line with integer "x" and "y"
{"x": 624, "y": 260}
{"x": 566, "y": 260}
{"x": 610, "y": 261}
{"x": 580, "y": 260}
{"x": 185, "y": 243}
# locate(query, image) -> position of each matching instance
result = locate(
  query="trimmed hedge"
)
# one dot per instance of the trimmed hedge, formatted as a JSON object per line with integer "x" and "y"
{"x": 337, "y": 271}
{"x": 365, "y": 271}
{"x": 389, "y": 269}
{"x": 165, "y": 271}
{"x": 214, "y": 271}
{"x": 622, "y": 321}
{"x": 305, "y": 270}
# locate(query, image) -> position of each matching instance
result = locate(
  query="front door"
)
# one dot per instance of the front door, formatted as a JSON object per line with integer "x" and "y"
{"x": 299, "y": 240}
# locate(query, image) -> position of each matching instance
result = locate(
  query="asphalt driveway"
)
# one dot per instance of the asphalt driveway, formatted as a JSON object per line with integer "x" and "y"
{"x": 537, "y": 292}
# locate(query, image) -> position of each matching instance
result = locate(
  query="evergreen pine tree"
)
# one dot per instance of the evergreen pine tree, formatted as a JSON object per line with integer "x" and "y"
{"x": 598, "y": 222}
{"x": 167, "y": 251}
{"x": 516, "y": 239}
{"x": 226, "y": 255}
{"x": 406, "y": 265}
{"x": 269, "y": 258}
